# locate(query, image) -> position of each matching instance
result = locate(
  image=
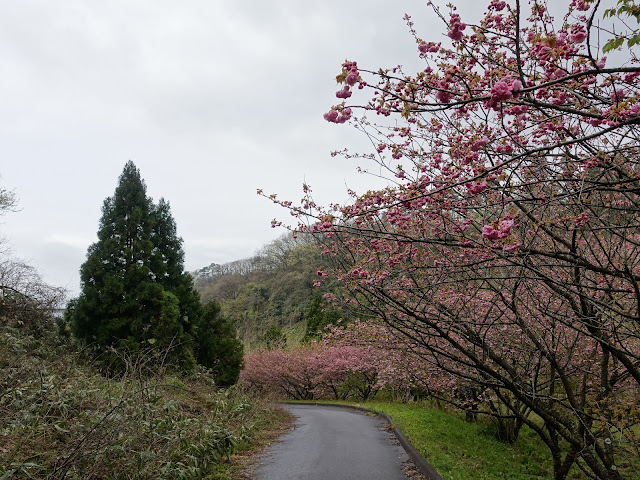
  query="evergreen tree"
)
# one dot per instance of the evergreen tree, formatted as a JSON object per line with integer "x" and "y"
{"x": 319, "y": 316}
{"x": 219, "y": 349}
{"x": 167, "y": 263}
{"x": 134, "y": 290}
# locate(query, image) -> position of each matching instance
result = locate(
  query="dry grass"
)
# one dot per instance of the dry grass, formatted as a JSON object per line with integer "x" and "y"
{"x": 61, "y": 419}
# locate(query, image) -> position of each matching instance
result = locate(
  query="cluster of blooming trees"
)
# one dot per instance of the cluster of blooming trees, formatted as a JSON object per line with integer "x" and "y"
{"x": 357, "y": 361}
{"x": 353, "y": 361}
{"x": 507, "y": 244}
{"x": 315, "y": 371}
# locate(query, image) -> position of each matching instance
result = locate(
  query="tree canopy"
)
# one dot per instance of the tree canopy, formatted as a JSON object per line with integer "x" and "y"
{"x": 135, "y": 292}
{"x": 505, "y": 246}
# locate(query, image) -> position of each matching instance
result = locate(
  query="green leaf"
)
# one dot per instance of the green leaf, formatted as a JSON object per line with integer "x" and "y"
{"x": 8, "y": 474}
{"x": 613, "y": 44}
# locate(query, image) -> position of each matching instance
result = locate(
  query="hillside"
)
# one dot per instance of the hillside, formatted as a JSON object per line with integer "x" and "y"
{"x": 271, "y": 295}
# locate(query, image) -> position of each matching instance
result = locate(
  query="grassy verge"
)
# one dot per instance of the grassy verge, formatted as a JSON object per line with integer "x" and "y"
{"x": 467, "y": 451}
{"x": 461, "y": 450}
{"x": 60, "y": 419}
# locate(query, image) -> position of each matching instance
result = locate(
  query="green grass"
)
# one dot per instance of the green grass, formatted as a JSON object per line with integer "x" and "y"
{"x": 461, "y": 450}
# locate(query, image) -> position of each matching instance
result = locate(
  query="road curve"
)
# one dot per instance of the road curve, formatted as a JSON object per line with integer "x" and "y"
{"x": 329, "y": 443}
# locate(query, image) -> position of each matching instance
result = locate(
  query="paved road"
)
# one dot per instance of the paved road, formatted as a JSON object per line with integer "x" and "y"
{"x": 329, "y": 443}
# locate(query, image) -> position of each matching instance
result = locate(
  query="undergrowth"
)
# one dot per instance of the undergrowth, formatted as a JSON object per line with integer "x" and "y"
{"x": 61, "y": 419}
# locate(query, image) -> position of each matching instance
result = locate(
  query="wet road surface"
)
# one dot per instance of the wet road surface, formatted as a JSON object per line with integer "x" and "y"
{"x": 329, "y": 443}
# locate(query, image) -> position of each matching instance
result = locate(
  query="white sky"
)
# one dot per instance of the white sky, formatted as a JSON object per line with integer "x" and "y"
{"x": 211, "y": 99}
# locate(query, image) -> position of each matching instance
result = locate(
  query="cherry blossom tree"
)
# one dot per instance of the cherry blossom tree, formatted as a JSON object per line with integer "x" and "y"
{"x": 294, "y": 373}
{"x": 319, "y": 370}
{"x": 506, "y": 244}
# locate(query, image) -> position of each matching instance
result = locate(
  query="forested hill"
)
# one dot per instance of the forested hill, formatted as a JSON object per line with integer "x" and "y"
{"x": 271, "y": 295}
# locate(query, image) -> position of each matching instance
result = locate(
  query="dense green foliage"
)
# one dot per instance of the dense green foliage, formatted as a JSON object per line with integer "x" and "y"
{"x": 218, "y": 348}
{"x": 319, "y": 316}
{"x": 272, "y": 296}
{"x": 136, "y": 294}
{"x": 134, "y": 290}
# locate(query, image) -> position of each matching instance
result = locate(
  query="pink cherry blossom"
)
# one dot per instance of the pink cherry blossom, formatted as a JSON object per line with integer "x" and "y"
{"x": 344, "y": 93}
{"x": 578, "y": 33}
{"x": 456, "y": 27}
{"x": 331, "y": 116}
{"x": 352, "y": 79}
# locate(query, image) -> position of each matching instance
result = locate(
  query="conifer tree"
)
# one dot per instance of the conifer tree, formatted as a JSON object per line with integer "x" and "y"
{"x": 134, "y": 290}
{"x": 319, "y": 316}
{"x": 218, "y": 348}
{"x": 167, "y": 263}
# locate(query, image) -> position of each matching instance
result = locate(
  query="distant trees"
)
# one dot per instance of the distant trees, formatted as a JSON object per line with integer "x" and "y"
{"x": 135, "y": 293}
{"x": 319, "y": 316}
{"x": 8, "y": 200}
{"x": 317, "y": 370}
{"x": 272, "y": 290}
{"x": 25, "y": 298}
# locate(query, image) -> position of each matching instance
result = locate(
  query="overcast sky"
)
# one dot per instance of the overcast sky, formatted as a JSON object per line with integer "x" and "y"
{"x": 211, "y": 99}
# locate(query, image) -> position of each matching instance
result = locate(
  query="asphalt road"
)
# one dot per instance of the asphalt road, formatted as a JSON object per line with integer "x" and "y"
{"x": 329, "y": 443}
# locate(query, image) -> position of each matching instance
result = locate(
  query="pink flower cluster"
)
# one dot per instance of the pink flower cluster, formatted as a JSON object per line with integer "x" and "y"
{"x": 578, "y": 33}
{"x": 497, "y": 5}
{"x": 502, "y": 91}
{"x": 442, "y": 95}
{"x": 541, "y": 51}
{"x": 504, "y": 149}
{"x": 502, "y": 231}
{"x": 351, "y": 69}
{"x": 456, "y": 27}
{"x": 617, "y": 95}
{"x": 333, "y": 116}
{"x": 350, "y": 76}
{"x": 344, "y": 93}
{"x": 479, "y": 144}
{"x": 634, "y": 111}
{"x": 476, "y": 187}
{"x": 429, "y": 47}
{"x": 581, "y": 220}
{"x": 581, "y": 5}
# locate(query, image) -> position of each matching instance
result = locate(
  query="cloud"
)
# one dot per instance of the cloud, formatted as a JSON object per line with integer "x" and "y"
{"x": 211, "y": 100}
{"x": 68, "y": 240}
